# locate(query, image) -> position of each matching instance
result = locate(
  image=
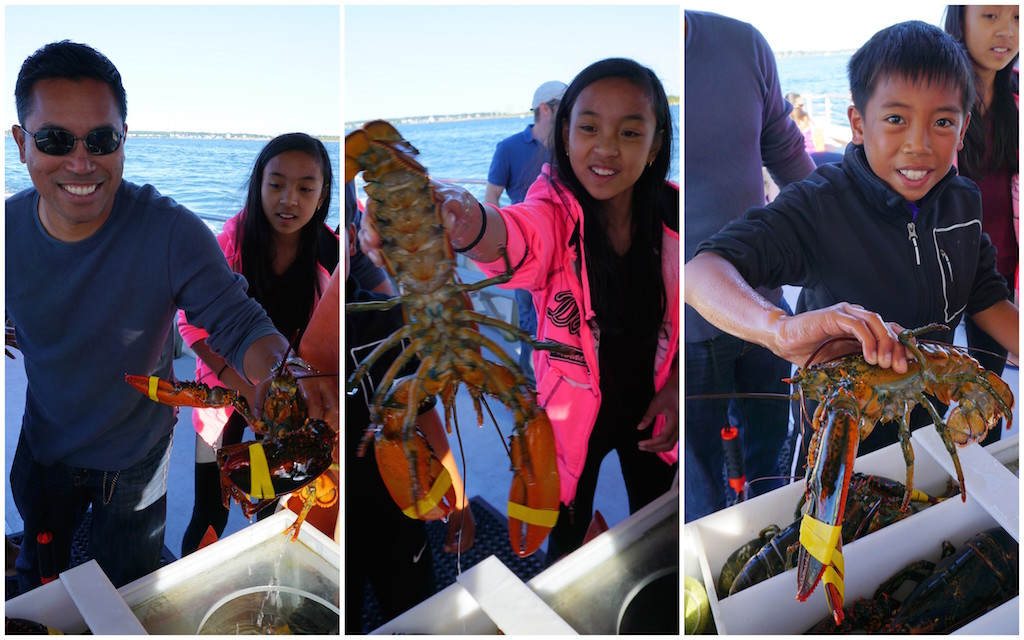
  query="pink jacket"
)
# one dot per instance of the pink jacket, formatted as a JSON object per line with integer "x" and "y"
{"x": 556, "y": 274}
{"x": 209, "y": 423}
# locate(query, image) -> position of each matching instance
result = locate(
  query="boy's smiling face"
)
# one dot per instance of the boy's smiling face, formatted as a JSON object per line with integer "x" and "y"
{"x": 911, "y": 132}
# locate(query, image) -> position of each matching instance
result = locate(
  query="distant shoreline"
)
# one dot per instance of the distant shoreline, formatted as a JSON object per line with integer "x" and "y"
{"x": 355, "y": 124}
{"x": 809, "y": 54}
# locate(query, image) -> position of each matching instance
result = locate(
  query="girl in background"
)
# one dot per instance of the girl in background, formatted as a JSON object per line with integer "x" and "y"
{"x": 596, "y": 242}
{"x": 277, "y": 242}
{"x": 990, "y": 154}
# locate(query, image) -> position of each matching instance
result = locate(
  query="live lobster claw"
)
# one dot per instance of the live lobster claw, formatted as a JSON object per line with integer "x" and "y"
{"x": 417, "y": 481}
{"x": 833, "y": 448}
{"x": 187, "y": 394}
{"x": 533, "y": 499}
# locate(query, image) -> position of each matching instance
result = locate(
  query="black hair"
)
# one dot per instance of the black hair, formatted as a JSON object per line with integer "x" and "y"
{"x": 1004, "y": 113}
{"x": 601, "y": 258}
{"x": 70, "y": 61}
{"x": 255, "y": 242}
{"x": 913, "y": 50}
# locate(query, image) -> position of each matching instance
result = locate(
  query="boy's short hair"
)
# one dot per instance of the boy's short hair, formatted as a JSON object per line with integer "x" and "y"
{"x": 913, "y": 50}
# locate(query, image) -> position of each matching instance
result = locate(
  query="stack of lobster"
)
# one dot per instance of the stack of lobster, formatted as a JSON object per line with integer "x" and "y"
{"x": 965, "y": 584}
{"x": 872, "y": 502}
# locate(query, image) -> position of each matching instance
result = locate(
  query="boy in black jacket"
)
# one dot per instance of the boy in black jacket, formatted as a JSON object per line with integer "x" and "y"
{"x": 891, "y": 229}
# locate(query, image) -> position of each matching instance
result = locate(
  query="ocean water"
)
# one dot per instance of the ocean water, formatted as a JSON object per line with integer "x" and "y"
{"x": 461, "y": 151}
{"x": 815, "y": 78}
{"x": 209, "y": 176}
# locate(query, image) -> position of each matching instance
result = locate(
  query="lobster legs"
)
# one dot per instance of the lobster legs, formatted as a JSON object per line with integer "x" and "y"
{"x": 421, "y": 486}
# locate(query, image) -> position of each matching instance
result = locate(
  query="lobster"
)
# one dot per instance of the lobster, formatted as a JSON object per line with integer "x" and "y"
{"x": 293, "y": 454}
{"x": 963, "y": 585}
{"x": 853, "y": 397}
{"x": 443, "y": 331}
{"x": 872, "y": 502}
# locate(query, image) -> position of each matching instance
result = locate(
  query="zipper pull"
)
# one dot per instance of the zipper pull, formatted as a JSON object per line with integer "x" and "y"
{"x": 912, "y": 236}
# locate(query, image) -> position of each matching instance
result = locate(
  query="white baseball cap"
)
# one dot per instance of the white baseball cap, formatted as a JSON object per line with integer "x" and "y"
{"x": 551, "y": 90}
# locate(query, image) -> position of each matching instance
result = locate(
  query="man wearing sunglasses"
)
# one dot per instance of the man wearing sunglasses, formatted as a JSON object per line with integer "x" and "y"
{"x": 96, "y": 269}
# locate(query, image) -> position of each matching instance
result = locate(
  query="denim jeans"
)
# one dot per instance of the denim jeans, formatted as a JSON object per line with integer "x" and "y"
{"x": 726, "y": 364}
{"x": 129, "y": 513}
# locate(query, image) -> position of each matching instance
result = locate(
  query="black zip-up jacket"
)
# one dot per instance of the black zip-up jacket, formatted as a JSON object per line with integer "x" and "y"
{"x": 844, "y": 235}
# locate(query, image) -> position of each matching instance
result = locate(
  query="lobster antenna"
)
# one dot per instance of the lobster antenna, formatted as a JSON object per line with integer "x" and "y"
{"x": 292, "y": 344}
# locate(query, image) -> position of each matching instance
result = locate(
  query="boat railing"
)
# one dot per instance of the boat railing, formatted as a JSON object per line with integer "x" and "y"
{"x": 829, "y": 111}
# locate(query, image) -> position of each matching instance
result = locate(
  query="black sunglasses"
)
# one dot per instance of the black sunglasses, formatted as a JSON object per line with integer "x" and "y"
{"x": 58, "y": 142}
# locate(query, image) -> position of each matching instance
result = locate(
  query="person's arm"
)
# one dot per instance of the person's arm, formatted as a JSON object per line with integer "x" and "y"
{"x": 716, "y": 290}
{"x": 493, "y": 194}
{"x": 461, "y": 525}
{"x": 665, "y": 402}
{"x": 1001, "y": 321}
{"x": 461, "y": 215}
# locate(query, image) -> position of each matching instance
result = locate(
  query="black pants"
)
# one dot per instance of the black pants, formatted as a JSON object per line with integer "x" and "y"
{"x": 208, "y": 510}
{"x": 646, "y": 477}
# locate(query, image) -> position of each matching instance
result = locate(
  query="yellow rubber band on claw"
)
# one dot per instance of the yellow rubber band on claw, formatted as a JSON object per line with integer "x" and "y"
{"x": 154, "y": 383}
{"x": 433, "y": 497}
{"x": 821, "y": 539}
{"x": 261, "y": 486}
{"x": 529, "y": 515}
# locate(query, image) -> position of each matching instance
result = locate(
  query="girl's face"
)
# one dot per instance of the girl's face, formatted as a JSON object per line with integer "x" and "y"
{"x": 990, "y": 33}
{"x": 611, "y": 135}
{"x": 292, "y": 190}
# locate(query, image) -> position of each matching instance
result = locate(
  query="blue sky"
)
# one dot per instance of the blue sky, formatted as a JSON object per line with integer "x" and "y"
{"x": 239, "y": 68}
{"x": 430, "y": 59}
{"x": 790, "y": 25}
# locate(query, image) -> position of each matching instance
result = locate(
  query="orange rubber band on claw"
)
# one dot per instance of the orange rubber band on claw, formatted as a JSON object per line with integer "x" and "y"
{"x": 821, "y": 539}
{"x": 433, "y": 497}
{"x": 261, "y": 486}
{"x": 529, "y": 515}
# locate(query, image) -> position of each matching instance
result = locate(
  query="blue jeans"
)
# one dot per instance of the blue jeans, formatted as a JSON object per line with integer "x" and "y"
{"x": 726, "y": 364}
{"x": 129, "y": 513}
{"x": 528, "y": 323}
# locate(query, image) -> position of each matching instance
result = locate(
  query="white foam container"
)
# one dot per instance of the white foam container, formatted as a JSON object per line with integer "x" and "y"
{"x": 771, "y": 607}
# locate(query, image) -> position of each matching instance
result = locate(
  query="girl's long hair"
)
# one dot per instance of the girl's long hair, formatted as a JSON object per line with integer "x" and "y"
{"x": 255, "y": 243}
{"x": 601, "y": 258}
{"x": 1003, "y": 111}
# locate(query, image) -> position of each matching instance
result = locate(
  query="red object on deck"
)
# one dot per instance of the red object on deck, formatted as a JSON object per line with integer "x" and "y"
{"x": 734, "y": 459}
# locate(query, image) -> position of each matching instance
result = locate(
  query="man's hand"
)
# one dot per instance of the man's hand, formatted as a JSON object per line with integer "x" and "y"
{"x": 798, "y": 337}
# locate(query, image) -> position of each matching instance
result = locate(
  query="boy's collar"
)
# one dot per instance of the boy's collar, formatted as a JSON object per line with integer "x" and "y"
{"x": 878, "y": 190}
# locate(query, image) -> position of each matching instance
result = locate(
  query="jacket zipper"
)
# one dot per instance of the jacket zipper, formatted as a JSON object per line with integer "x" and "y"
{"x": 912, "y": 236}
{"x": 949, "y": 265}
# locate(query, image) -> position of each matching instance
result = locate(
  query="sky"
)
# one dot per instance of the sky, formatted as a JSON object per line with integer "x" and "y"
{"x": 225, "y": 69}
{"x": 430, "y": 60}
{"x": 802, "y": 25}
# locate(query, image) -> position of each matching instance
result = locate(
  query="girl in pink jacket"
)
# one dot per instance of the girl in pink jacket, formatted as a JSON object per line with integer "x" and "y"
{"x": 596, "y": 242}
{"x": 277, "y": 243}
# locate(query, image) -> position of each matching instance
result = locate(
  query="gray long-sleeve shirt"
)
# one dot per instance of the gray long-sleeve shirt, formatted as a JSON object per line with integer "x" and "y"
{"x": 88, "y": 312}
{"x": 736, "y": 120}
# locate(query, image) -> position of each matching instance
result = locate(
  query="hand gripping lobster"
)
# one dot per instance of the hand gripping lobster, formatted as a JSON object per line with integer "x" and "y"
{"x": 442, "y": 328}
{"x": 853, "y": 397}
{"x": 291, "y": 457}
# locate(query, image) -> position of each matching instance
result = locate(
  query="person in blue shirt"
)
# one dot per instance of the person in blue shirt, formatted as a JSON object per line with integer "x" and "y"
{"x": 516, "y": 164}
{"x": 97, "y": 268}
